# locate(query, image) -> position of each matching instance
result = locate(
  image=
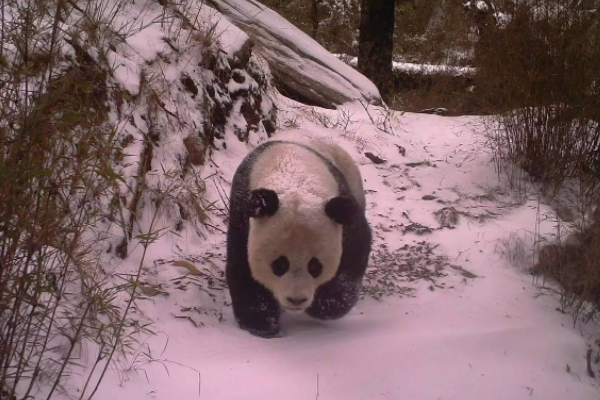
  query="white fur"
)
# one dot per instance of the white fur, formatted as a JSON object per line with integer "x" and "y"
{"x": 300, "y": 229}
{"x": 277, "y": 236}
{"x": 335, "y": 154}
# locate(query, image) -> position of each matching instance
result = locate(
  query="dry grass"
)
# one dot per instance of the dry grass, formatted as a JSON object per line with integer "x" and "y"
{"x": 517, "y": 250}
{"x": 397, "y": 269}
{"x": 575, "y": 265}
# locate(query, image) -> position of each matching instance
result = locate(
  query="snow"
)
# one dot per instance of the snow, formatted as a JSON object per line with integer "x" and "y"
{"x": 502, "y": 19}
{"x": 490, "y": 337}
{"x": 231, "y": 38}
{"x": 149, "y": 42}
{"x": 482, "y": 6}
{"x": 420, "y": 68}
{"x": 126, "y": 72}
{"x": 433, "y": 68}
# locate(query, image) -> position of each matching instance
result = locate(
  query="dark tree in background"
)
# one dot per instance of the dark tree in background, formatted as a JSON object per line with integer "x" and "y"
{"x": 376, "y": 43}
{"x": 315, "y": 17}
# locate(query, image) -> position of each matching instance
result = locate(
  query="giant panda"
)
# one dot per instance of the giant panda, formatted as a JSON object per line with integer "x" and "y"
{"x": 298, "y": 239}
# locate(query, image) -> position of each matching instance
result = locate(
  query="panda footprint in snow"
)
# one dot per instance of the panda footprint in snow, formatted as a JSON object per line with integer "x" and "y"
{"x": 298, "y": 239}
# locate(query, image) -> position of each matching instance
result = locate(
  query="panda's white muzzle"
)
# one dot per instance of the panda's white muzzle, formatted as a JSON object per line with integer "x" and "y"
{"x": 296, "y": 304}
{"x": 295, "y": 291}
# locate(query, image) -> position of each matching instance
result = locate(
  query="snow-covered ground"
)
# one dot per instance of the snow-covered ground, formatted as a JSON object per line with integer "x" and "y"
{"x": 451, "y": 337}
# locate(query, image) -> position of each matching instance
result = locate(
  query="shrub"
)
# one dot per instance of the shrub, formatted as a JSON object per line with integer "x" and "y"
{"x": 576, "y": 266}
{"x": 58, "y": 187}
{"x": 538, "y": 70}
{"x": 540, "y": 73}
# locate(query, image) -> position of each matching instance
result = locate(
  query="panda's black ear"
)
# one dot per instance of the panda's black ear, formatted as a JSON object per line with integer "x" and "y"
{"x": 262, "y": 203}
{"x": 342, "y": 209}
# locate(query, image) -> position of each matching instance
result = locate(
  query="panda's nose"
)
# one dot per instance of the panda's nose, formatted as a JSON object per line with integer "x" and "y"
{"x": 297, "y": 301}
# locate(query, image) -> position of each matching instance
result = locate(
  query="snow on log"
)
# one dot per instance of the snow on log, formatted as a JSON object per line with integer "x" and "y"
{"x": 301, "y": 66}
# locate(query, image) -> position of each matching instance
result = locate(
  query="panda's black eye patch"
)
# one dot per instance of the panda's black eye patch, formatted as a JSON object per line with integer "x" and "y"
{"x": 315, "y": 267}
{"x": 280, "y": 266}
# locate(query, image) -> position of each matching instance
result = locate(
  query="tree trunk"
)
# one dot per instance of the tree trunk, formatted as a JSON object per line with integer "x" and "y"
{"x": 376, "y": 43}
{"x": 315, "y": 18}
{"x": 437, "y": 18}
{"x": 481, "y": 13}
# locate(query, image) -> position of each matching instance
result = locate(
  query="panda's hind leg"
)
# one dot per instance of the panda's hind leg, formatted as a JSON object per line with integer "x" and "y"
{"x": 334, "y": 299}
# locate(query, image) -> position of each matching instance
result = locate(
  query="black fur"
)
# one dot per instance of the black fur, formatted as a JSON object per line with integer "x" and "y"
{"x": 342, "y": 209}
{"x": 263, "y": 203}
{"x": 315, "y": 268}
{"x": 280, "y": 266}
{"x": 336, "y": 298}
{"x": 255, "y": 308}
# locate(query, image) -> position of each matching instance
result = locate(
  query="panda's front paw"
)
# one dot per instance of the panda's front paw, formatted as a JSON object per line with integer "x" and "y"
{"x": 269, "y": 334}
{"x": 265, "y": 328}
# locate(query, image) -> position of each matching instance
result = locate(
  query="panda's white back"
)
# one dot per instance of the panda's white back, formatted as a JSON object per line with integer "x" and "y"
{"x": 296, "y": 174}
{"x": 327, "y": 148}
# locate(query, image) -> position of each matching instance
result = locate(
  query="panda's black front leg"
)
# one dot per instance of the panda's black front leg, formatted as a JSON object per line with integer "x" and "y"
{"x": 254, "y": 307}
{"x": 335, "y": 298}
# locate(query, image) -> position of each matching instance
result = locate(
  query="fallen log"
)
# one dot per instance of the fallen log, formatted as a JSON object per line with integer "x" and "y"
{"x": 301, "y": 67}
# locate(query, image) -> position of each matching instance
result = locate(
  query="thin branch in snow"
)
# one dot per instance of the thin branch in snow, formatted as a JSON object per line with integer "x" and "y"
{"x": 589, "y": 364}
{"x": 214, "y": 227}
{"x": 222, "y": 194}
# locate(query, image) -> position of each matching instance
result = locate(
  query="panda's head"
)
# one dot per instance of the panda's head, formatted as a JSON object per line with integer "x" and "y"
{"x": 295, "y": 246}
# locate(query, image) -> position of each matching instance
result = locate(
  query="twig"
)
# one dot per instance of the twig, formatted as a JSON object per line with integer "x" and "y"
{"x": 317, "y": 396}
{"x": 214, "y": 227}
{"x": 366, "y": 107}
{"x": 374, "y": 158}
{"x": 589, "y": 364}
{"x": 222, "y": 194}
{"x": 189, "y": 319}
